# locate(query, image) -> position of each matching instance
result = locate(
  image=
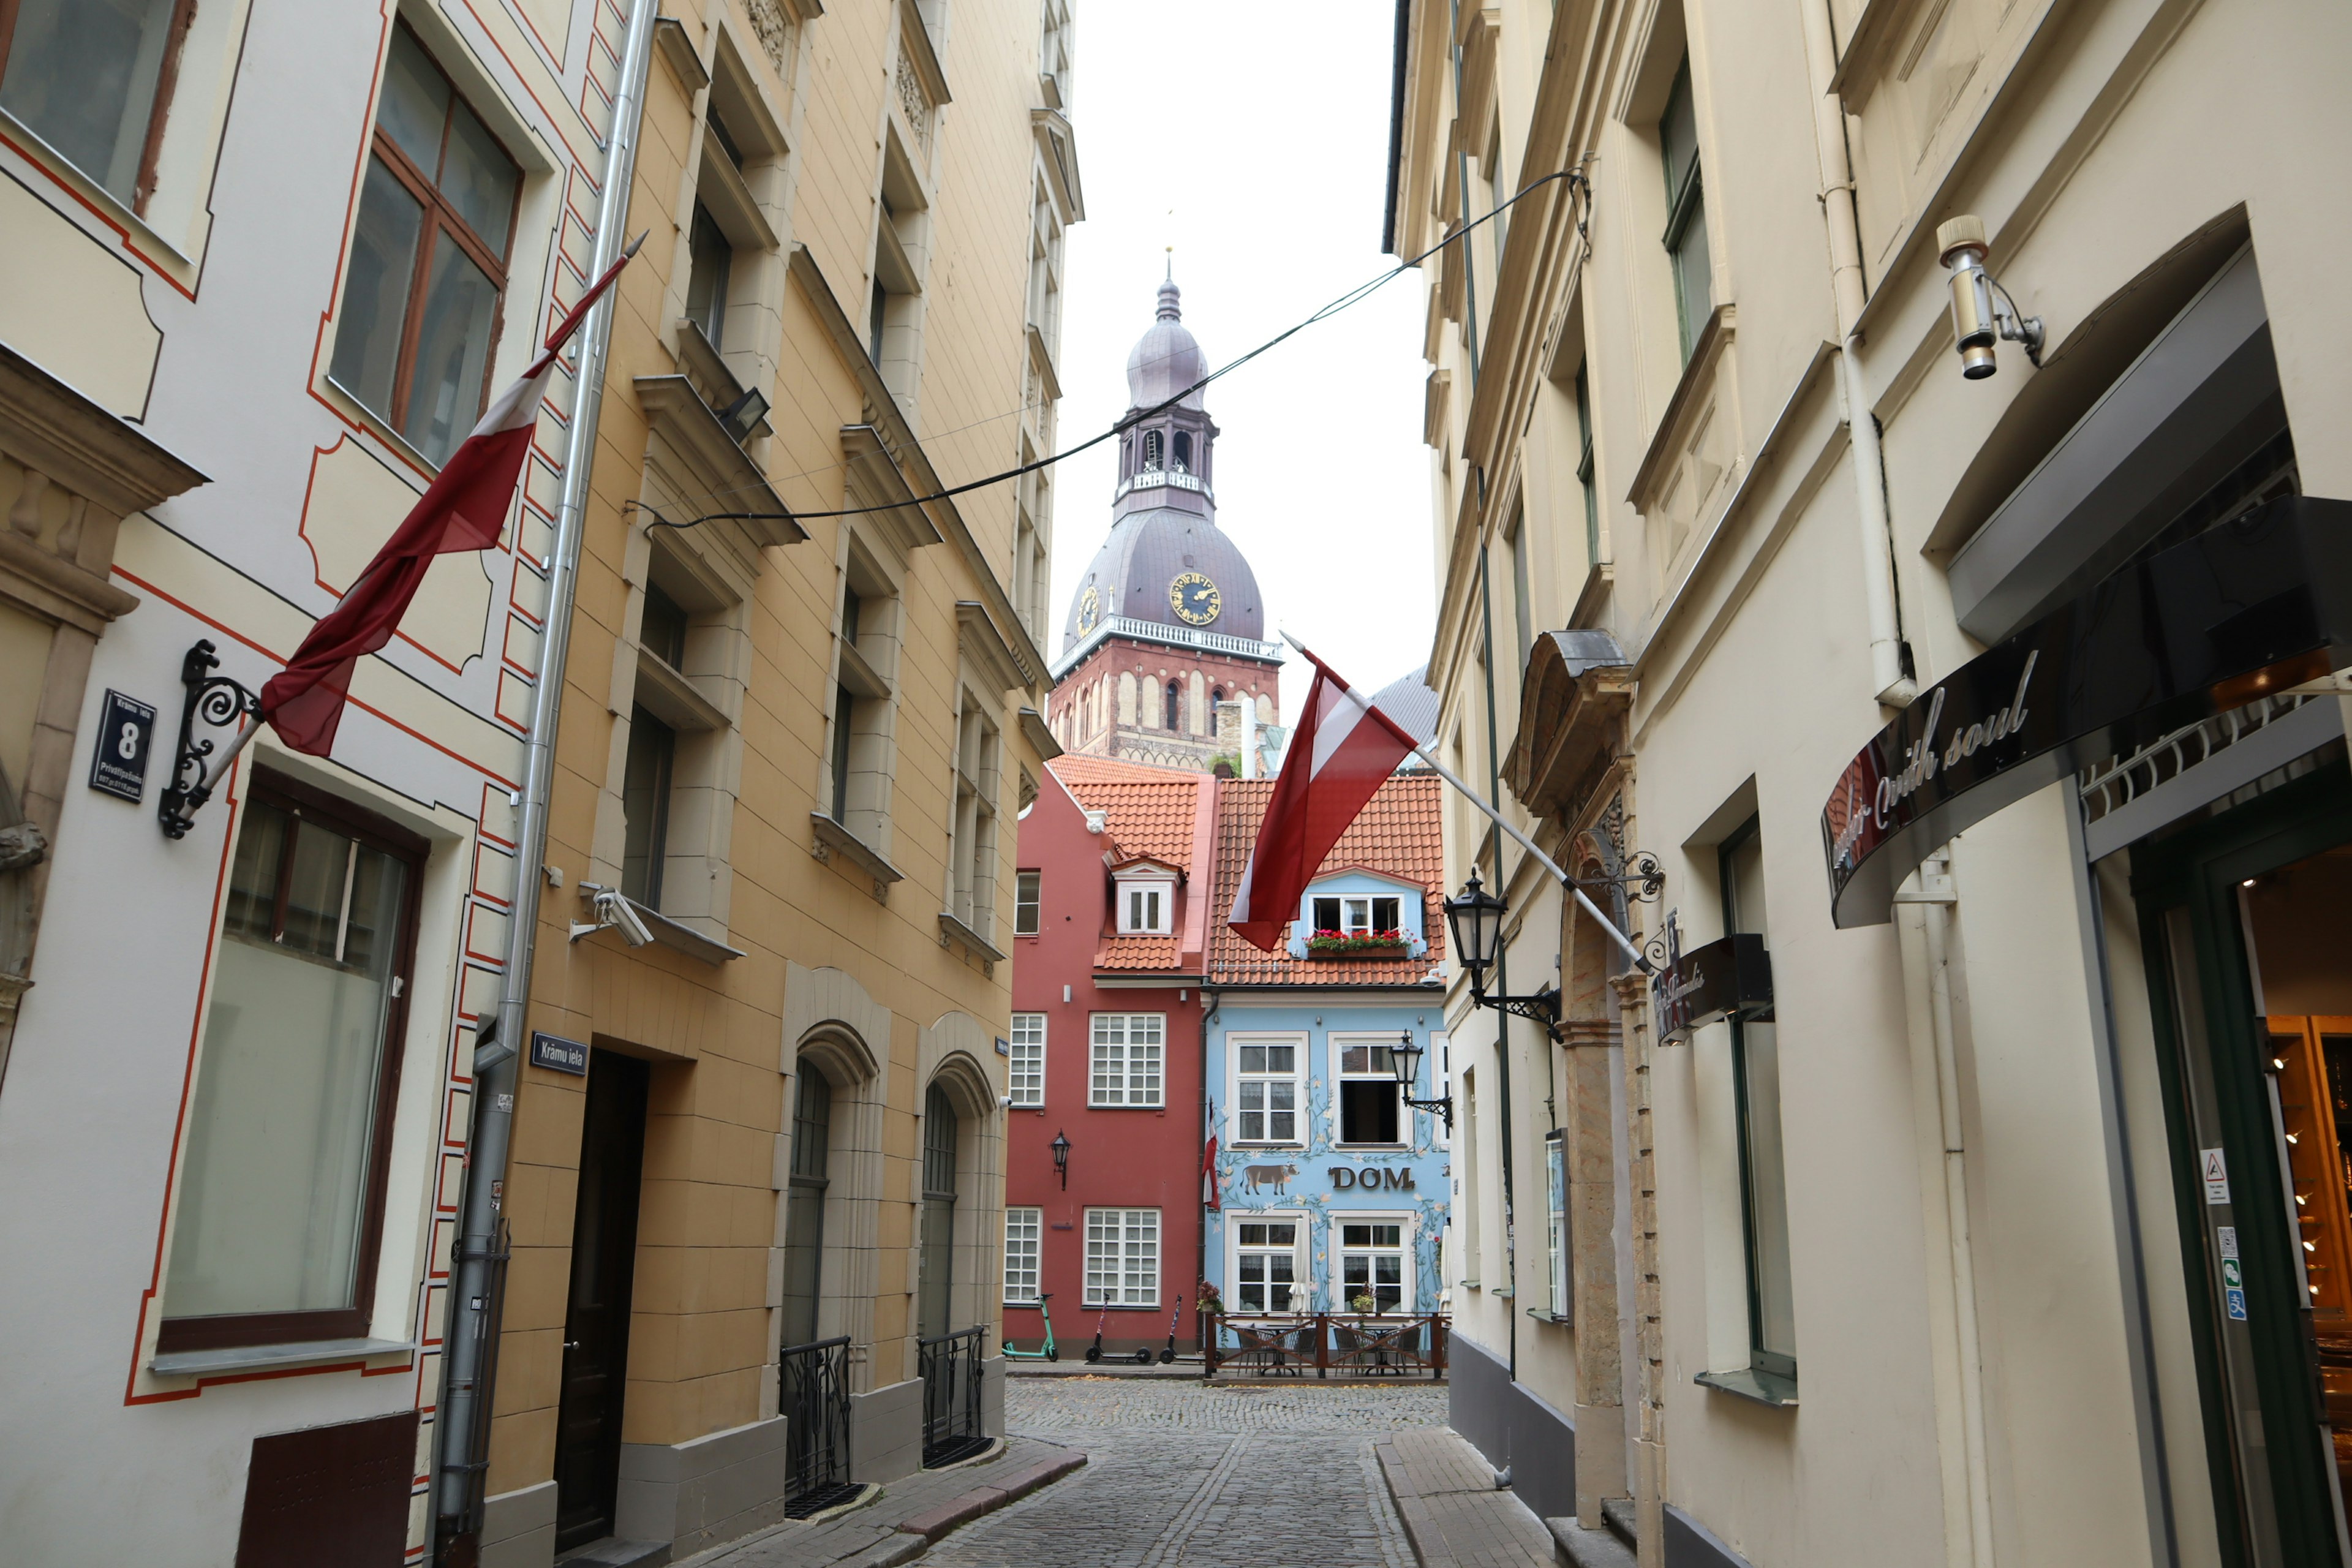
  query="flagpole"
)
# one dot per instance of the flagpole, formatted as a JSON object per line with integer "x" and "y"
{"x": 1473, "y": 796}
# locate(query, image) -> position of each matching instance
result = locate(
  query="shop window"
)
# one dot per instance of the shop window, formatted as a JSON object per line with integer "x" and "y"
{"x": 1122, "y": 1258}
{"x": 1123, "y": 1059}
{"x": 805, "y": 1205}
{"x": 1025, "y": 1234}
{"x": 422, "y": 289}
{"x": 289, "y": 1143}
{"x": 1685, "y": 235}
{"x": 1266, "y": 1092}
{"x": 645, "y": 779}
{"x": 1369, "y": 1098}
{"x": 1266, "y": 1267}
{"x": 1756, "y": 1082}
{"x": 93, "y": 78}
{"x": 1372, "y": 1266}
{"x": 1025, "y": 1075}
{"x": 1028, "y": 903}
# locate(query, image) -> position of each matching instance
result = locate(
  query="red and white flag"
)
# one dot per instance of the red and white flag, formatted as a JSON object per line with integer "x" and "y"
{"x": 1342, "y": 752}
{"x": 1209, "y": 1198}
{"x": 465, "y": 508}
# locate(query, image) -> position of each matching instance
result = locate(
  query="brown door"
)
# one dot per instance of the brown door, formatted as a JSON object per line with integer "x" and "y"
{"x": 596, "y": 1326}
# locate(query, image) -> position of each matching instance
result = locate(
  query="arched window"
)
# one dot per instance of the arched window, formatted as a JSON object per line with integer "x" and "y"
{"x": 1175, "y": 705}
{"x": 1151, "y": 450}
{"x": 1183, "y": 451}
{"x": 1216, "y": 695}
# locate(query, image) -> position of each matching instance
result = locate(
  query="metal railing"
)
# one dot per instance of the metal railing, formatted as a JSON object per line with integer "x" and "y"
{"x": 1159, "y": 632}
{"x": 812, "y": 1397}
{"x": 951, "y": 1368}
{"x": 1354, "y": 1344}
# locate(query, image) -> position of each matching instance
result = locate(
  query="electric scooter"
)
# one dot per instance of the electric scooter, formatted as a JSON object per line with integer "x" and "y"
{"x": 1046, "y": 1352}
{"x": 1169, "y": 1353}
{"x": 1093, "y": 1351}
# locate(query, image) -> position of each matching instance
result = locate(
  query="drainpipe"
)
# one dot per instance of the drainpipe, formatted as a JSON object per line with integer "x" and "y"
{"x": 1888, "y": 677}
{"x": 465, "y": 1393}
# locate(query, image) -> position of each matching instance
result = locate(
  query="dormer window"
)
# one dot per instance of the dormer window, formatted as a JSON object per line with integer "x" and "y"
{"x": 1146, "y": 901}
{"x": 1358, "y": 916}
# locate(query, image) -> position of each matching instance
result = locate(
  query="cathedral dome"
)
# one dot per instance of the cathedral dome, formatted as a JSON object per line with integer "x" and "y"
{"x": 1134, "y": 574}
{"x": 1165, "y": 358}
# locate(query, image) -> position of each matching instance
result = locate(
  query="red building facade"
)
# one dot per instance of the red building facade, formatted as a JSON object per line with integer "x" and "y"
{"x": 1111, "y": 935}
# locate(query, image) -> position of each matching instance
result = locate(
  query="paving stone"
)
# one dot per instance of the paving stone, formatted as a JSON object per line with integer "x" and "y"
{"x": 1452, "y": 1511}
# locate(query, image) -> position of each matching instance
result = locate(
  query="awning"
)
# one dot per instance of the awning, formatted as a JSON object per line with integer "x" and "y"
{"x": 2250, "y": 608}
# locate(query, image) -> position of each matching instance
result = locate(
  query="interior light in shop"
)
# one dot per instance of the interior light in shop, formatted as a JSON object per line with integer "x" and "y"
{"x": 2293, "y": 1138}
{"x": 2247, "y": 883}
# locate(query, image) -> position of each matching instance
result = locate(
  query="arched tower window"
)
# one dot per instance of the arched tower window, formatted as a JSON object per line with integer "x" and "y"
{"x": 1175, "y": 705}
{"x": 1183, "y": 451}
{"x": 1216, "y": 695}
{"x": 1151, "y": 450}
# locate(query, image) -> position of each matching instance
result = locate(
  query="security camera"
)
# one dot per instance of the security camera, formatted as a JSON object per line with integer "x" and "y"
{"x": 617, "y": 909}
{"x": 1982, "y": 310}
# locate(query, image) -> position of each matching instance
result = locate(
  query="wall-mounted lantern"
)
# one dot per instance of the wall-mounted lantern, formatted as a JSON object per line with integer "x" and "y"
{"x": 1062, "y": 1158}
{"x": 1405, "y": 1057}
{"x": 1475, "y": 918}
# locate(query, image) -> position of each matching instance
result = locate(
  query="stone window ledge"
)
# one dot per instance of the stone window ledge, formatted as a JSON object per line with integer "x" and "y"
{"x": 240, "y": 1358}
{"x": 1752, "y": 1383}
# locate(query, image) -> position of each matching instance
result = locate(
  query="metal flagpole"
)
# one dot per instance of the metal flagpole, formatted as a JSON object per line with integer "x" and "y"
{"x": 1526, "y": 843}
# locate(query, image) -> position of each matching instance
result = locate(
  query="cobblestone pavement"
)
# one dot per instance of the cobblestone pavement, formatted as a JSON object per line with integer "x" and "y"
{"x": 1218, "y": 1478}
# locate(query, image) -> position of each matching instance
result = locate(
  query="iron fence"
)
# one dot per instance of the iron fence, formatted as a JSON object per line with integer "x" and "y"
{"x": 950, "y": 1366}
{"x": 1354, "y": 1344}
{"x": 812, "y": 1397}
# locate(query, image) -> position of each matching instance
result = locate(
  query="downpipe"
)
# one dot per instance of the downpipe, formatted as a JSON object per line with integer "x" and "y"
{"x": 461, "y": 1474}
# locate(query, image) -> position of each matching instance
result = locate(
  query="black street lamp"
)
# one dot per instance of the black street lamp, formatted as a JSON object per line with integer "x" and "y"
{"x": 1405, "y": 1057}
{"x": 1475, "y": 918}
{"x": 1062, "y": 1158}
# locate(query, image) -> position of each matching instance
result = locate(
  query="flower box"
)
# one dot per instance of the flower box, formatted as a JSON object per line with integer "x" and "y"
{"x": 1359, "y": 944}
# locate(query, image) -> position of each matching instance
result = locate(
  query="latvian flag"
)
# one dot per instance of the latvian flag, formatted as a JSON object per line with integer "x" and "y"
{"x": 1342, "y": 752}
{"x": 465, "y": 508}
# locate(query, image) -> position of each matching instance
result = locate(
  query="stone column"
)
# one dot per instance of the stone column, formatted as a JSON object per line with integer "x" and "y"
{"x": 1592, "y": 1159}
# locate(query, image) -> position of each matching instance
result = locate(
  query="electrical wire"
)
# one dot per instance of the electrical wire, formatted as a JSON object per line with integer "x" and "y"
{"x": 1126, "y": 422}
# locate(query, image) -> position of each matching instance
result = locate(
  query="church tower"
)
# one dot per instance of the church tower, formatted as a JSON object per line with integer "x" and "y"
{"x": 1163, "y": 657}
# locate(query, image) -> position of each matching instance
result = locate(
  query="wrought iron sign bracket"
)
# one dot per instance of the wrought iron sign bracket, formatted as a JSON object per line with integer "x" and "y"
{"x": 221, "y": 703}
{"x": 1642, "y": 880}
{"x": 1443, "y": 1105}
{"x": 1543, "y": 1008}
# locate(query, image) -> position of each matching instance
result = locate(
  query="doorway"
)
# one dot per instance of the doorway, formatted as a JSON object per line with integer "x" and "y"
{"x": 2247, "y": 920}
{"x": 596, "y": 1322}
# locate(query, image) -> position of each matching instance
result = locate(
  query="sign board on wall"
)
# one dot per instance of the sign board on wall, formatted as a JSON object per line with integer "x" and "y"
{"x": 559, "y": 1055}
{"x": 126, "y": 737}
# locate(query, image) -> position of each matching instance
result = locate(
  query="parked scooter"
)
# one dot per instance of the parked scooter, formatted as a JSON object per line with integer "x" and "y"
{"x": 1046, "y": 1352}
{"x": 1169, "y": 1353}
{"x": 1093, "y": 1351}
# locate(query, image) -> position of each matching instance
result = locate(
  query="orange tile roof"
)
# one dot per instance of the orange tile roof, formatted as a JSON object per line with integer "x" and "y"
{"x": 1398, "y": 833}
{"x": 1147, "y": 810}
{"x": 1139, "y": 954}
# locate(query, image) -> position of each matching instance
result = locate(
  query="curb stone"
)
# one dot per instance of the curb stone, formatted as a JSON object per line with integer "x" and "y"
{"x": 933, "y": 1523}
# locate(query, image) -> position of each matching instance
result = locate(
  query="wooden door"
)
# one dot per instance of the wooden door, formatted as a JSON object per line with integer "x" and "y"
{"x": 596, "y": 1325}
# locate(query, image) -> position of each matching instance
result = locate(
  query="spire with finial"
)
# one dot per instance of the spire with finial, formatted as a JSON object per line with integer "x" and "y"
{"x": 1170, "y": 295}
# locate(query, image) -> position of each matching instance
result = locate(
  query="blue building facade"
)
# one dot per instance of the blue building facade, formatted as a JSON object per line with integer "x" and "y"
{"x": 1330, "y": 1192}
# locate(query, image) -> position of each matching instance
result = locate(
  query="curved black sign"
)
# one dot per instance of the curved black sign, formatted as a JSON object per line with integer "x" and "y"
{"x": 2252, "y": 608}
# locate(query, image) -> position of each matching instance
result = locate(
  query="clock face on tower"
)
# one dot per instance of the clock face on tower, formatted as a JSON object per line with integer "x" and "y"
{"x": 1194, "y": 599}
{"x": 1090, "y": 609}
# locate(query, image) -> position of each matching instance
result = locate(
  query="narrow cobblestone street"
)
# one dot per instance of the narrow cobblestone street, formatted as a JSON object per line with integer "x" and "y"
{"x": 1183, "y": 1474}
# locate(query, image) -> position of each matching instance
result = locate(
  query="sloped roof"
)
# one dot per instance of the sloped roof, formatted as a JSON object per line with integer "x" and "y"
{"x": 1398, "y": 833}
{"x": 1149, "y": 811}
{"x": 1140, "y": 954}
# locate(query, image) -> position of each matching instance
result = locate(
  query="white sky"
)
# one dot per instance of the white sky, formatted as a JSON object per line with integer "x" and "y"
{"x": 1264, "y": 126}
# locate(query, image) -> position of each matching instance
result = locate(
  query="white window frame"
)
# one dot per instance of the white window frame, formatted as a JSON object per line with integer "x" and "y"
{"x": 1126, "y": 1072}
{"x": 1339, "y": 1044}
{"x": 1297, "y": 1075}
{"x": 1356, "y": 912}
{"x": 1556, "y": 1222}
{"x": 1124, "y": 1245}
{"x": 1150, "y": 894}
{"x": 1024, "y": 1072}
{"x": 1028, "y": 902}
{"x": 1441, "y": 1085}
{"x": 1302, "y": 1284}
{"x": 1402, "y": 1218}
{"x": 1024, "y": 1251}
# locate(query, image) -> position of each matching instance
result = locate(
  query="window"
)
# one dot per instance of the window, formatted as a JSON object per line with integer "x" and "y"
{"x": 1146, "y": 906}
{"x": 1026, "y": 1074}
{"x": 1522, "y": 601}
{"x": 805, "y": 1205}
{"x": 281, "y": 1190}
{"x": 1125, "y": 1067}
{"x": 1028, "y": 903}
{"x": 1024, "y": 1232}
{"x": 1265, "y": 1093}
{"x": 1756, "y": 1086}
{"x": 1441, "y": 1083}
{"x": 878, "y": 316}
{"x": 1467, "y": 1179}
{"x": 1266, "y": 1267}
{"x": 935, "y": 1297}
{"x": 1122, "y": 1258}
{"x": 1556, "y": 1230}
{"x": 1685, "y": 237}
{"x": 1372, "y": 1263}
{"x": 1175, "y": 709}
{"x": 858, "y": 750}
{"x": 1358, "y": 916}
{"x": 645, "y": 807}
{"x": 428, "y": 259}
{"x": 1054, "y": 54}
{"x": 661, "y": 630}
{"x": 1183, "y": 451}
{"x": 92, "y": 78}
{"x": 1151, "y": 450}
{"x": 1368, "y": 1093}
{"x": 710, "y": 258}
{"x": 972, "y": 851}
{"x": 1584, "y": 471}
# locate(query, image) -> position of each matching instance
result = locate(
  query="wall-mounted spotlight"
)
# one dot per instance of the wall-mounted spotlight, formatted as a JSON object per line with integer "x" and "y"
{"x": 1981, "y": 308}
{"x": 743, "y": 417}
